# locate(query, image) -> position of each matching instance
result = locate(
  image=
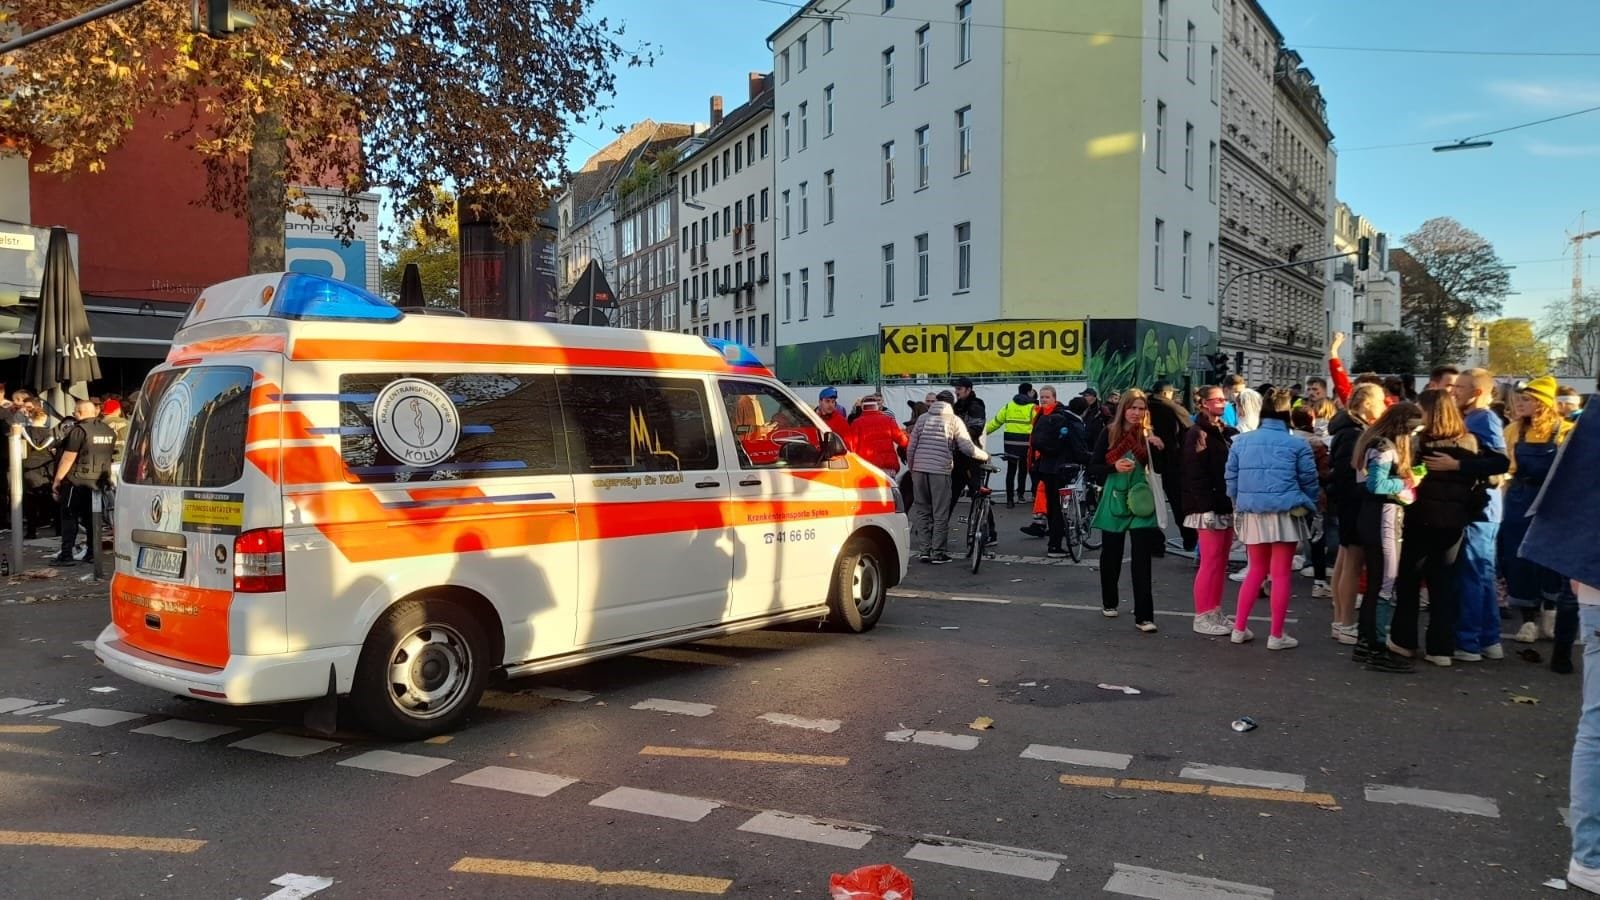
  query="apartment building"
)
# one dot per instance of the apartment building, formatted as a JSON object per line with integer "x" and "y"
{"x": 952, "y": 161}
{"x": 725, "y": 232}
{"x": 1277, "y": 189}
{"x": 1361, "y": 304}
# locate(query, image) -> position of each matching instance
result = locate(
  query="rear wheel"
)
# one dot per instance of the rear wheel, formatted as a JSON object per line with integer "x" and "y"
{"x": 422, "y": 670}
{"x": 1074, "y": 536}
{"x": 977, "y": 539}
{"x": 860, "y": 589}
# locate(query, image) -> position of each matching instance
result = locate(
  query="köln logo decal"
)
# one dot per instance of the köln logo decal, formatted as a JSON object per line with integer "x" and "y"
{"x": 416, "y": 422}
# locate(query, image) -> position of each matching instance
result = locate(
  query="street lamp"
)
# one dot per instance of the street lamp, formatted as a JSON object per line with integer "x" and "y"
{"x": 1464, "y": 144}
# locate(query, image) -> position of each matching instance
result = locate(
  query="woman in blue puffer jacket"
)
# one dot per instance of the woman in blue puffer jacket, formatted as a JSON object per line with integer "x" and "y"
{"x": 1272, "y": 479}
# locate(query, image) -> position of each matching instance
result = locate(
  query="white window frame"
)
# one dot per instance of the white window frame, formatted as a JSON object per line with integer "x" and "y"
{"x": 783, "y": 66}
{"x": 886, "y": 259}
{"x": 924, "y": 273}
{"x": 1211, "y": 177}
{"x": 888, "y": 171}
{"x": 1160, "y": 237}
{"x": 963, "y": 140}
{"x": 922, "y": 55}
{"x": 1188, "y": 62}
{"x": 1188, "y": 155}
{"x": 827, "y": 288}
{"x": 1211, "y": 272}
{"x": 923, "y": 157}
{"x": 786, "y": 215}
{"x": 1216, "y": 80}
{"x": 963, "y": 257}
{"x": 785, "y": 135}
{"x": 888, "y": 76}
{"x": 805, "y": 210}
{"x": 805, "y": 132}
{"x": 788, "y": 297}
{"x": 803, "y": 54}
{"x": 1161, "y": 135}
{"x": 1185, "y": 279}
{"x": 963, "y": 32}
{"x": 827, "y": 197}
{"x": 1161, "y": 28}
{"x": 827, "y": 111}
{"x": 805, "y": 294}
{"x": 827, "y": 36}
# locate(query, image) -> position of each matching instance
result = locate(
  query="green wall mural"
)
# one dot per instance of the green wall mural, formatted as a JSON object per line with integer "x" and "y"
{"x": 844, "y": 361}
{"x": 1128, "y": 353}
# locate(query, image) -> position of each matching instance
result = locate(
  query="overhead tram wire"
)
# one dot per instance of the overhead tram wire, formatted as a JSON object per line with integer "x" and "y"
{"x": 1435, "y": 51}
{"x": 1580, "y": 112}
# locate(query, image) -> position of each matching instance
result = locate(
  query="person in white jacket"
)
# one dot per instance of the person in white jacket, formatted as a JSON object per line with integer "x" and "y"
{"x": 935, "y": 438}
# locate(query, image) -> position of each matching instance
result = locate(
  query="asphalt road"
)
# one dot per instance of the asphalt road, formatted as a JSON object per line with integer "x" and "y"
{"x": 780, "y": 757}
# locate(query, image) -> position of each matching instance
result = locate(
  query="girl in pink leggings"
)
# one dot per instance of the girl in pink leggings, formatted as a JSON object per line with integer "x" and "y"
{"x": 1208, "y": 509}
{"x": 1272, "y": 478}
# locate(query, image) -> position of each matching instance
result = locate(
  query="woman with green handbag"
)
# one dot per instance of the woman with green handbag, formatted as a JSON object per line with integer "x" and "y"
{"x": 1128, "y": 512}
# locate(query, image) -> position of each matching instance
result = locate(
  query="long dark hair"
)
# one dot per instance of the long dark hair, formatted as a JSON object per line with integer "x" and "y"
{"x": 1395, "y": 426}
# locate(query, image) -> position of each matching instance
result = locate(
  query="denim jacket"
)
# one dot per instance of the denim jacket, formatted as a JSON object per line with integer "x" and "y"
{"x": 1561, "y": 536}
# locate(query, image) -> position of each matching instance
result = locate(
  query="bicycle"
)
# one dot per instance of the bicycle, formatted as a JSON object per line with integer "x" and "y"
{"x": 978, "y": 529}
{"x": 1086, "y": 501}
{"x": 1073, "y": 524}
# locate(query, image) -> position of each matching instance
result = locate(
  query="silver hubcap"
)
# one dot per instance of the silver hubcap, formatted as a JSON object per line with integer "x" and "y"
{"x": 429, "y": 670}
{"x": 866, "y": 584}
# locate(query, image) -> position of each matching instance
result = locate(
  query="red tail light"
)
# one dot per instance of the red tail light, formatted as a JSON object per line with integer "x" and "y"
{"x": 258, "y": 561}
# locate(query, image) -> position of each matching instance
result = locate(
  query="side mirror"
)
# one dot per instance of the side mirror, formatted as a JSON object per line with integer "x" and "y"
{"x": 833, "y": 445}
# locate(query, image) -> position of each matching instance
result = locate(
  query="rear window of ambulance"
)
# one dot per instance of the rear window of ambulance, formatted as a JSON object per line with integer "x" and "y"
{"x": 189, "y": 428}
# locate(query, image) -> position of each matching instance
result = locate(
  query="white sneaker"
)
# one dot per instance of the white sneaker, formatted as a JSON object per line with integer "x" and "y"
{"x": 1211, "y": 624}
{"x": 1243, "y": 637}
{"x": 1359, "y": 598}
{"x": 1440, "y": 661}
{"x": 1308, "y": 572}
{"x": 1281, "y": 643}
{"x": 1298, "y": 561}
{"x": 1494, "y": 651}
{"x": 1237, "y": 577}
{"x": 1345, "y": 634}
{"x": 1547, "y": 624}
{"x": 1582, "y": 877}
{"x": 1321, "y": 591}
{"x": 1108, "y": 613}
{"x": 1468, "y": 656}
{"x": 1528, "y": 633}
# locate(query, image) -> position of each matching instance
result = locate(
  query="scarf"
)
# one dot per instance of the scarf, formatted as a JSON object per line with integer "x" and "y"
{"x": 1132, "y": 440}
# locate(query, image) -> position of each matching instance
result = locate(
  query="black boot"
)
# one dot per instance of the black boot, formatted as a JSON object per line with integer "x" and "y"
{"x": 1561, "y": 659}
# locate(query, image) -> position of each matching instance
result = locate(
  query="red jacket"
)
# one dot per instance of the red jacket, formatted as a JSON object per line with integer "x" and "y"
{"x": 840, "y": 423}
{"x": 878, "y": 438}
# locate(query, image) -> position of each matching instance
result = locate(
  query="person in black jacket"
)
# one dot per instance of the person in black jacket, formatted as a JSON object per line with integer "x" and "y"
{"x": 1346, "y": 493}
{"x": 1434, "y": 524}
{"x": 1058, "y": 448}
{"x": 1204, "y": 485}
{"x": 1169, "y": 421}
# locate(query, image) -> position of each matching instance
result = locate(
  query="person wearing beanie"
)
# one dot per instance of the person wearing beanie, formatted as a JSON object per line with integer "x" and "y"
{"x": 1016, "y": 418}
{"x": 1536, "y": 434}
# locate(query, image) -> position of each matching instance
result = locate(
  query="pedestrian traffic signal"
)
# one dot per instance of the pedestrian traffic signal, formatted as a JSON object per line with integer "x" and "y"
{"x": 1219, "y": 367}
{"x": 220, "y": 18}
{"x": 1363, "y": 253}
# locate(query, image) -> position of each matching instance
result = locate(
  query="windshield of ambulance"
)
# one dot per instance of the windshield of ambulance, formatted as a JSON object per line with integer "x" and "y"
{"x": 189, "y": 428}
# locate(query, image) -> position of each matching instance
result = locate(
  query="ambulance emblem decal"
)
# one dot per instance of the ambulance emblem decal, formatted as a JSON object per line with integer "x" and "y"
{"x": 416, "y": 422}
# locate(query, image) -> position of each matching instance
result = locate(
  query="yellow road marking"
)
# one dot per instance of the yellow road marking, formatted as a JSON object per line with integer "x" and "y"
{"x": 1208, "y": 790}
{"x": 795, "y": 759}
{"x": 98, "y": 841}
{"x": 660, "y": 881}
{"x": 28, "y": 729}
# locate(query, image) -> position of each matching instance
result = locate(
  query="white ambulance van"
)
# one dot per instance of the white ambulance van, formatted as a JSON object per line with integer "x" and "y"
{"x": 326, "y": 496}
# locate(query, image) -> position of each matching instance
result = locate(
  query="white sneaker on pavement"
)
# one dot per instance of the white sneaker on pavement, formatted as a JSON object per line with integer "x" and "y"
{"x": 1468, "y": 656}
{"x": 1237, "y": 577}
{"x": 1243, "y": 637}
{"x": 1528, "y": 633}
{"x": 1494, "y": 651}
{"x": 1321, "y": 591}
{"x": 1547, "y": 624}
{"x": 1440, "y": 661}
{"x": 1281, "y": 643}
{"x": 1307, "y": 572}
{"x": 1582, "y": 877}
{"x": 1344, "y": 634}
{"x": 1211, "y": 624}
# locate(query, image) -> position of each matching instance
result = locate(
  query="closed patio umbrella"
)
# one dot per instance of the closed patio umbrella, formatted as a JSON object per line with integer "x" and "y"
{"x": 64, "y": 355}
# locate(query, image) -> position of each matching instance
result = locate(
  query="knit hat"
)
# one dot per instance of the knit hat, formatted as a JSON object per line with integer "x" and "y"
{"x": 1542, "y": 389}
{"x": 947, "y": 397}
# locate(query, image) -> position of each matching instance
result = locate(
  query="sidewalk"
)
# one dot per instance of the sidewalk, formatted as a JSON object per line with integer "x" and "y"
{"x": 37, "y": 581}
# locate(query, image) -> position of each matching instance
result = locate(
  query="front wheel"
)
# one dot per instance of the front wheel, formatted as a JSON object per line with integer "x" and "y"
{"x": 1074, "y": 537}
{"x": 422, "y": 670}
{"x": 860, "y": 590}
{"x": 977, "y": 539}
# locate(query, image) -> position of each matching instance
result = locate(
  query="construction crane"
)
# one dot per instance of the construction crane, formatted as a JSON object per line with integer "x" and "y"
{"x": 1577, "y": 263}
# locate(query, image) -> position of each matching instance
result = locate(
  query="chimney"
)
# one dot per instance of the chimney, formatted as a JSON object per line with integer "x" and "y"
{"x": 716, "y": 110}
{"x": 758, "y": 84}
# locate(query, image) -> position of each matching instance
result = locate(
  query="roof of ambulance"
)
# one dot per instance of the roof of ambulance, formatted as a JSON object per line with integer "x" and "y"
{"x": 247, "y": 304}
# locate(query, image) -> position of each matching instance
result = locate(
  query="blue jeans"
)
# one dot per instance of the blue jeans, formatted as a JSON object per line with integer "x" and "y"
{"x": 1586, "y": 749}
{"x": 1479, "y": 623}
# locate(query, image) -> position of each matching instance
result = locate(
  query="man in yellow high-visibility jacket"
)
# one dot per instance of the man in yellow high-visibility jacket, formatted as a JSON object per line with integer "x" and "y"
{"x": 1016, "y": 418}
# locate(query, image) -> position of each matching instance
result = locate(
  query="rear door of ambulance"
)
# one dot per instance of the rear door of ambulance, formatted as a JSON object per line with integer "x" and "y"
{"x": 190, "y": 502}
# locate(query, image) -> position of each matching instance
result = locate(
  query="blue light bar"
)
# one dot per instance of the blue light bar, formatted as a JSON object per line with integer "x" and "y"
{"x": 734, "y": 353}
{"x": 302, "y": 296}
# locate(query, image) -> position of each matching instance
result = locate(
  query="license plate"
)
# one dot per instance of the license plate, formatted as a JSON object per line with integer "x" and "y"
{"x": 154, "y": 561}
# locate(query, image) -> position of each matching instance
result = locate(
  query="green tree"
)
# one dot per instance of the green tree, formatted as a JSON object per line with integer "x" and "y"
{"x": 1448, "y": 275}
{"x": 1389, "y": 353}
{"x": 1514, "y": 350}
{"x": 354, "y": 94}
{"x": 435, "y": 246}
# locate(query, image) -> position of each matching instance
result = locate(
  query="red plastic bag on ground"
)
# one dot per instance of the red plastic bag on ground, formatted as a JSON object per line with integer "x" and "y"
{"x": 881, "y": 882}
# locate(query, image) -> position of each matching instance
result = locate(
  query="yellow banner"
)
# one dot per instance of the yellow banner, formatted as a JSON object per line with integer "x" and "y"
{"x": 980, "y": 348}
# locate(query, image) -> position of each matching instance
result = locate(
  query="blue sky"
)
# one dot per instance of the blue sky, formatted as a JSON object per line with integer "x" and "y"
{"x": 1524, "y": 194}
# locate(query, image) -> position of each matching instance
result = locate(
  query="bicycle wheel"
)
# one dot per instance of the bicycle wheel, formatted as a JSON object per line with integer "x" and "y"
{"x": 1091, "y": 540}
{"x": 1073, "y": 536}
{"x": 975, "y": 545}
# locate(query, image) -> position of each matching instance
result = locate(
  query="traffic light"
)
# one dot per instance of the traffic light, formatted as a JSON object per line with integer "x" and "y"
{"x": 1219, "y": 367}
{"x": 10, "y": 347}
{"x": 1363, "y": 253}
{"x": 219, "y": 19}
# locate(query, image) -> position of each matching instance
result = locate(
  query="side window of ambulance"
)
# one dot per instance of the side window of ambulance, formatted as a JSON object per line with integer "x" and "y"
{"x": 508, "y": 426}
{"x": 770, "y": 431}
{"x": 637, "y": 423}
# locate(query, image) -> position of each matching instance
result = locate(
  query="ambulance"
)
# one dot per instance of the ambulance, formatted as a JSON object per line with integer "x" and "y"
{"x": 325, "y": 496}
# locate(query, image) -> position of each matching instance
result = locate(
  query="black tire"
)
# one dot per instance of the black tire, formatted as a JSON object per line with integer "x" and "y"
{"x": 975, "y": 533}
{"x": 1074, "y": 536}
{"x": 435, "y": 643}
{"x": 860, "y": 588}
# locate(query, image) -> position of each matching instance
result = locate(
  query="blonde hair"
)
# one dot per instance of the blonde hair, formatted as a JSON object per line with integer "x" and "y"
{"x": 1117, "y": 426}
{"x": 1366, "y": 395}
{"x": 1395, "y": 426}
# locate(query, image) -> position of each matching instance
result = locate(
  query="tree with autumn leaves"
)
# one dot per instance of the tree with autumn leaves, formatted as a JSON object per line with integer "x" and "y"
{"x": 404, "y": 95}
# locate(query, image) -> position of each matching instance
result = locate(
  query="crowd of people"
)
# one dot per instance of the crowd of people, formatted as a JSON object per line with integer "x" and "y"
{"x": 66, "y": 457}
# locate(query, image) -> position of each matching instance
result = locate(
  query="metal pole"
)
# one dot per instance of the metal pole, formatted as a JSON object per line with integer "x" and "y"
{"x": 14, "y": 480}
{"x": 52, "y": 30}
{"x": 96, "y": 505}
